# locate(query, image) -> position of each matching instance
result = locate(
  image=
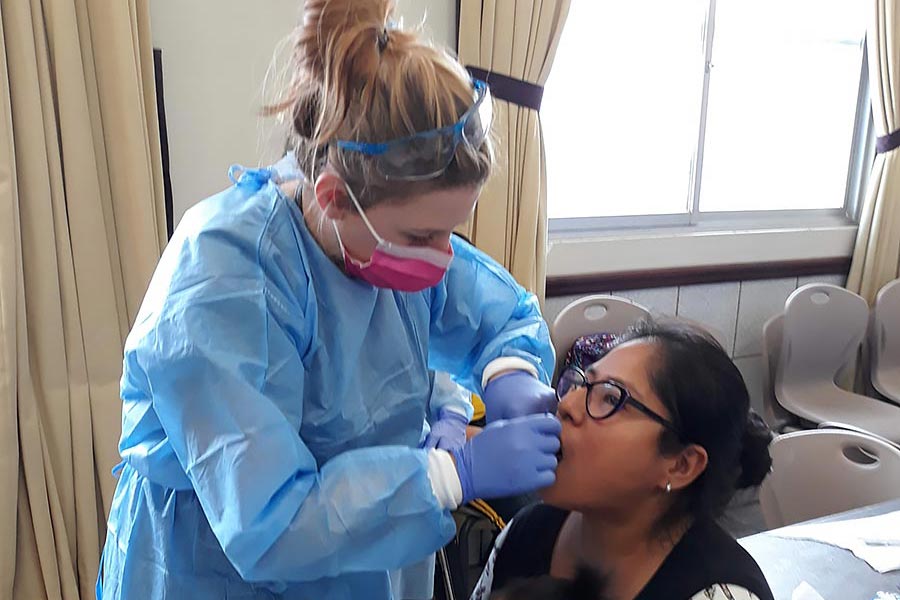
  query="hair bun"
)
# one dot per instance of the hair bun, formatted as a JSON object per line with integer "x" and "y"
{"x": 342, "y": 35}
{"x": 755, "y": 459}
{"x": 337, "y": 53}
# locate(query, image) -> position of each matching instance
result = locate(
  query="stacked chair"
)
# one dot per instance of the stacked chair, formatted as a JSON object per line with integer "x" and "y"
{"x": 884, "y": 342}
{"x": 823, "y": 329}
{"x": 853, "y": 458}
{"x": 826, "y": 471}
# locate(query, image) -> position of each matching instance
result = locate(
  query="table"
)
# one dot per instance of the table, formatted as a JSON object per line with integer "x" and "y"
{"x": 834, "y": 572}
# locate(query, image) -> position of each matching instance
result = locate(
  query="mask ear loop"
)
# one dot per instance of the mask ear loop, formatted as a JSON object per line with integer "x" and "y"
{"x": 337, "y": 234}
{"x": 365, "y": 219}
{"x": 362, "y": 214}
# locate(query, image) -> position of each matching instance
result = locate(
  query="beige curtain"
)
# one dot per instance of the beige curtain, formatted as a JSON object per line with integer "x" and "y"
{"x": 81, "y": 227}
{"x": 876, "y": 257}
{"x": 516, "y": 38}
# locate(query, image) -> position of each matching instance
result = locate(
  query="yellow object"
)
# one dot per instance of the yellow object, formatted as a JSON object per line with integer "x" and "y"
{"x": 479, "y": 407}
{"x": 485, "y": 509}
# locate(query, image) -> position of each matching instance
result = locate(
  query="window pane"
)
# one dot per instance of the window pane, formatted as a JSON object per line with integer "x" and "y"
{"x": 782, "y": 102}
{"x": 621, "y": 109}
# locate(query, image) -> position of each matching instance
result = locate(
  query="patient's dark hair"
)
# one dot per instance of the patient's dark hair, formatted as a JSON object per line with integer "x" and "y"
{"x": 706, "y": 395}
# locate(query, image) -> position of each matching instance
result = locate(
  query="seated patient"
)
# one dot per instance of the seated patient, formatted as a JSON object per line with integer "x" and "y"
{"x": 656, "y": 437}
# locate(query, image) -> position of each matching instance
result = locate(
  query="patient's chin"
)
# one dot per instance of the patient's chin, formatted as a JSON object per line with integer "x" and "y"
{"x": 570, "y": 491}
{"x": 548, "y": 495}
{"x": 555, "y": 495}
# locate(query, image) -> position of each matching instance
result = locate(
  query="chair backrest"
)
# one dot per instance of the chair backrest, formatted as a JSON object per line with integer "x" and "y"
{"x": 592, "y": 314}
{"x": 823, "y": 327}
{"x": 848, "y": 427}
{"x": 885, "y": 338}
{"x": 775, "y": 414}
{"x": 822, "y": 472}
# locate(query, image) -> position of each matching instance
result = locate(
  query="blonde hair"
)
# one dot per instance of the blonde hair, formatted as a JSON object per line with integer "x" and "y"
{"x": 356, "y": 77}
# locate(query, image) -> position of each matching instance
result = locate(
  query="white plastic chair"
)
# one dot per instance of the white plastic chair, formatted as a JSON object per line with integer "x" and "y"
{"x": 592, "y": 314}
{"x": 776, "y": 416}
{"x": 884, "y": 341}
{"x": 823, "y": 327}
{"x": 822, "y": 472}
{"x": 845, "y": 427}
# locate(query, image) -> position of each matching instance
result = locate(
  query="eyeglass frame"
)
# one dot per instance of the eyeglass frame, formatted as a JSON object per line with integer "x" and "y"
{"x": 626, "y": 398}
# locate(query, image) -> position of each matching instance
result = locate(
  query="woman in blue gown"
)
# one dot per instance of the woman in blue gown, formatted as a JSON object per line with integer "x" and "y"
{"x": 279, "y": 373}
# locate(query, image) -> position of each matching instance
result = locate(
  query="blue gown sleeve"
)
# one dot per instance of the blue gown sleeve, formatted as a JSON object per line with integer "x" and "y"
{"x": 223, "y": 358}
{"x": 447, "y": 394}
{"x": 480, "y": 313}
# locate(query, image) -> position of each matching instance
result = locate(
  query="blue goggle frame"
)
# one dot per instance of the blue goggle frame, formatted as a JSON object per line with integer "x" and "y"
{"x": 427, "y": 154}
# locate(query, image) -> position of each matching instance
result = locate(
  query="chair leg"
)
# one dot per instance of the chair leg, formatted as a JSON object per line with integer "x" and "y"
{"x": 444, "y": 565}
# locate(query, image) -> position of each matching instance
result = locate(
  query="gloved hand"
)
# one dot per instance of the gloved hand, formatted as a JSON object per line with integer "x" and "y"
{"x": 509, "y": 457}
{"x": 449, "y": 432}
{"x": 516, "y": 394}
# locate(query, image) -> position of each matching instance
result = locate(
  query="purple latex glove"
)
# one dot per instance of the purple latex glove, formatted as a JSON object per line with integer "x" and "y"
{"x": 449, "y": 433}
{"x": 509, "y": 458}
{"x": 517, "y": 394}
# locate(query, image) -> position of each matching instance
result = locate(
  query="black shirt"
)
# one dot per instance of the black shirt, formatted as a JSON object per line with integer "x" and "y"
{"x": 704, "y": 557}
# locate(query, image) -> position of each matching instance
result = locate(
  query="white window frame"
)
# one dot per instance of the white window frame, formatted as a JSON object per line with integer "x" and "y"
{"x": 580, "y": 236}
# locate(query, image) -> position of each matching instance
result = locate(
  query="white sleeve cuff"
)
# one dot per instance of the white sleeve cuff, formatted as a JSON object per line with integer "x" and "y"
{"x": 506, "y": 363}
{"x": 447, "y": 395}
{"x": 444, "y": 479}
{"x": 459, "y": 410}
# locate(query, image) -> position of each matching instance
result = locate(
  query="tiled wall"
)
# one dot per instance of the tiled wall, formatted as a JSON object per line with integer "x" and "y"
{"x": 733, "y": 312}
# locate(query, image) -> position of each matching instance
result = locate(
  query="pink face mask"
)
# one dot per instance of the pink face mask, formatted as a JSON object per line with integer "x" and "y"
{"x": 395, "y": 267}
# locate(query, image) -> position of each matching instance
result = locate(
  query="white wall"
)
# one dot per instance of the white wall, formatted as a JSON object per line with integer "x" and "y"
{"x": 215, "y": 57}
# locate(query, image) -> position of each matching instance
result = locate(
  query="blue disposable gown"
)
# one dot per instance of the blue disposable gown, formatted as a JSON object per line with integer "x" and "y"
{"x": 416, "y": 582}
{"x": 273, "y": 408}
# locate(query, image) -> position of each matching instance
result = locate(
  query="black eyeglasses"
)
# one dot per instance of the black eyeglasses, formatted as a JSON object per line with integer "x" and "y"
{"x": 603, "y": 399}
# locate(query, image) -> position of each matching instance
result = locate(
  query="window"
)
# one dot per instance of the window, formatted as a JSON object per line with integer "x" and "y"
{"x": 681, "y": 110}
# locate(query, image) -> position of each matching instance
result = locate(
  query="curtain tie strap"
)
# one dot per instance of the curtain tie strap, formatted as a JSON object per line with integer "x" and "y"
{"x": 510, "y": 89}
{"x": 886, "y": 143}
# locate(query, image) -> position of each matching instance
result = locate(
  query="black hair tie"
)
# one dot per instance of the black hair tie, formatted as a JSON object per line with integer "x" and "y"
{"x": 383, "y": 39}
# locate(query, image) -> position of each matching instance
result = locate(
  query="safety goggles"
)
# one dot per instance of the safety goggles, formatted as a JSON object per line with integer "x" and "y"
{"x": 427, "y": 154}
